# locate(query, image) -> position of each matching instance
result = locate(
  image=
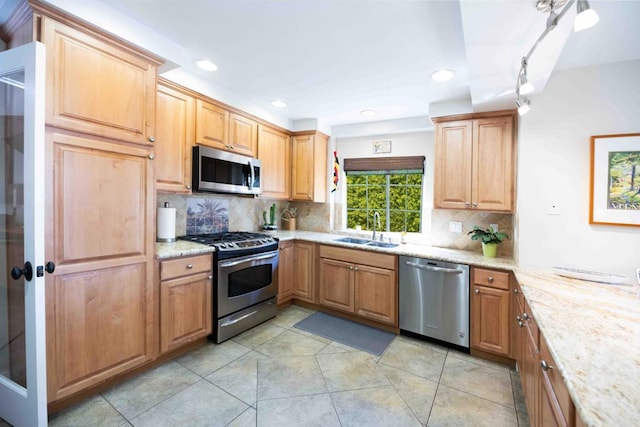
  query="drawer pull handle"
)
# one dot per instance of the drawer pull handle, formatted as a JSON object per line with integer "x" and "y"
{"x": 545, "y": 366}
{"x": 189, "y": 266}
{"x": 490, "y": 279}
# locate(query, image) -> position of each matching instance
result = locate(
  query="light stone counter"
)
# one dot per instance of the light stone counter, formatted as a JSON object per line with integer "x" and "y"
{"x": 410, "y": 249}
{"x": 593, "y": 334}
{"x": 181, "y": 248}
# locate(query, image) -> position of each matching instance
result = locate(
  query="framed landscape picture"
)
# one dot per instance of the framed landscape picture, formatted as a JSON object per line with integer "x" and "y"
{"x": 615, "y": 180}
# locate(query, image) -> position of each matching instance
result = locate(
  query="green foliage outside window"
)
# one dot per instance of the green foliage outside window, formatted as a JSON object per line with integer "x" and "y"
{"x": 367, "y": 194}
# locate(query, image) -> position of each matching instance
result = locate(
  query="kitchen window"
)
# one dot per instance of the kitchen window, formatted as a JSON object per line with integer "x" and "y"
{"x": 391, "y": 186}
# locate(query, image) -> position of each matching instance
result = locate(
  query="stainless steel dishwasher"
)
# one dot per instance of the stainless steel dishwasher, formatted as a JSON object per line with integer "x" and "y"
{"x": 434, "y": 299}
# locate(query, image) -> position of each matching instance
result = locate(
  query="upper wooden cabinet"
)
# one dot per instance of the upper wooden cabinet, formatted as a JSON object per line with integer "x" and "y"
{"x": 274, "y": 153}
{"x": 309, "y": 168}
{"x": 475, "y": 162}
{"x": 212, "y": 125}
{"x": 175, "y": 135}
{"x": 97, "y": 86}
{"x": 243, "y": 134}
{"x": 219, "y": 128}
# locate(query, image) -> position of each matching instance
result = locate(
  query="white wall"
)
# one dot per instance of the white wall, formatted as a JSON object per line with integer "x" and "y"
{"x": 554, "y": 165}
{"x": 406, "y": 144}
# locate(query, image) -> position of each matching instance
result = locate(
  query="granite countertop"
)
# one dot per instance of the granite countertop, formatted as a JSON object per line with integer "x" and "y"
{"x": 181, "y": 248}
{"x": 592, "y": 332}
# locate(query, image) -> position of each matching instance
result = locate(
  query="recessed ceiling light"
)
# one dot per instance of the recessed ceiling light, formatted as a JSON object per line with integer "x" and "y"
{"x": 368, "y": 112}
{"x": 205, "y": 64}
{"x": 442, "y": 75}
{"x": 278, "y": 103}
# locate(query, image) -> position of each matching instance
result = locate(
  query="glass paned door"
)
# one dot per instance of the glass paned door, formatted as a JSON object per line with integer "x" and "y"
{"x": 22, "y": 316}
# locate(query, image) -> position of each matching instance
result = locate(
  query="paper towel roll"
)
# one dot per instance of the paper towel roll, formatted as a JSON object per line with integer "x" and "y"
{"x": 166, "y": 222}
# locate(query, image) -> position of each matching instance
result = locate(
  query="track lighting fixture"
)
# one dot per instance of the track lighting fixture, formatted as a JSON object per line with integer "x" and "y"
{"x": 585, "y": 18}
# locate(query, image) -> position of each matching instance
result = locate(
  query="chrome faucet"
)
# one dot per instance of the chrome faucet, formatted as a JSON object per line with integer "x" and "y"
{"x": 375, "y": 215}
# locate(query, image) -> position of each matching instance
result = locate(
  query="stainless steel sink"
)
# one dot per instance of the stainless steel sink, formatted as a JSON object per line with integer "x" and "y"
{"x": 353, "y": 240}
{"x": 365, "y": 242}
{"x": 382, "y": 244}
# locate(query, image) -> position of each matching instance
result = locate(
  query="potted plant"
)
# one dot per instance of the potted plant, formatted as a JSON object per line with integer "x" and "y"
{"x": 490, "y": 239}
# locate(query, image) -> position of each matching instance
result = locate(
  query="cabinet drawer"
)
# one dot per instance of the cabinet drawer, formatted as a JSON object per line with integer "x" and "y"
{"x": 359, "y": 257}
{"x": 491, "y": 278}
{"x": 186, "y": 265}
{"x": 555, "y": 378}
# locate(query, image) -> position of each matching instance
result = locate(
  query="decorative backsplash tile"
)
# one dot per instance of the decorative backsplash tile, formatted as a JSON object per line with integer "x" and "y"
{"x": 442, "y": 237}
{"x": 242, "y": 213}
{"x": 207, "y": 215}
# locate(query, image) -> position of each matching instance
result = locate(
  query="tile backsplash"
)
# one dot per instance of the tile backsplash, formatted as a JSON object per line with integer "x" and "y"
{"x": 215, "y": 211}
{"x": 442, "y": 237}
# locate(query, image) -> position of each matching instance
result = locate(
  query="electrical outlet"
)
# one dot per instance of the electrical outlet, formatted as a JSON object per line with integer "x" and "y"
{"x": 455, "y": 226}
{"x": 638, "y": 275}
{"x": 494, "y": 227}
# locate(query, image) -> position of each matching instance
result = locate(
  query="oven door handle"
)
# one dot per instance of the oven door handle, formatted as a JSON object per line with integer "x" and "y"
{"x": 231, "y": 322}
{"x": 244, "y": 261}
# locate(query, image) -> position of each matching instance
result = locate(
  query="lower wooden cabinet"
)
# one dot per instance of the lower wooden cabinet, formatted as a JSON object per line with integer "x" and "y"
{"x": 360, "y": 282}
{"x": 185, "y": 300}
{"x": 490, "y": 325}
{"x": 296, "y": 271}
{"x": 285, "y": 271}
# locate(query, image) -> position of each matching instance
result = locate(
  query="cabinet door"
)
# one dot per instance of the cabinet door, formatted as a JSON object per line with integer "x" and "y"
{"x": 452, "y": 179}
{"x": 309, "y": 168}
{"x": 273, "y": 152}
{"x": 243, "y": 135}
{"x": 101, "y": 212}
{"x": 490, "y": 320}
{"x": 336, "y": 284}
{"x": 174, "y": 138}
{"x": 286, "y": 275}
{"x": 97, "y": 87}
{"x": 185, "y": 310}
{"x": 304, "y": 271}
{"x": 493, "y": 163}
{"x": 99, "y": 324}
{"x": 302, "y": 168}
{"x": 212, "y": 125}
{"x": 376, "y": 294}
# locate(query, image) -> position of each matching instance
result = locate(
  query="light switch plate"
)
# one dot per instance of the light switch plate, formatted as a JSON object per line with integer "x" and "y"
{"x": 455, "y": 226}
{"x": 638, "y": 275}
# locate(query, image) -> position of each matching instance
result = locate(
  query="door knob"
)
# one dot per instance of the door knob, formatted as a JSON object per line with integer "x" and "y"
{"x": 27, "y": 272}
{"x": 50, "y": 267}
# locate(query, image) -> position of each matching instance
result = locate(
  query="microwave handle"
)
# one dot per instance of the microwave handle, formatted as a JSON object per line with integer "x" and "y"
{"x": 252, "y": 176}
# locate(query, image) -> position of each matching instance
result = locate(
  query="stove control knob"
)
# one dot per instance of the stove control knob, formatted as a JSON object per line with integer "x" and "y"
{"x": 223, "y": 245}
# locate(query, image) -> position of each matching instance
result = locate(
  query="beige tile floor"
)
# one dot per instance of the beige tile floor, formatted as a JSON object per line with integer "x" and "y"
{"x": 276, "y": 375}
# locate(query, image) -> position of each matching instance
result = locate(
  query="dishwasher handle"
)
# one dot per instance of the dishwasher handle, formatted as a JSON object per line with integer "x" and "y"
{"x": 433, "y": 268}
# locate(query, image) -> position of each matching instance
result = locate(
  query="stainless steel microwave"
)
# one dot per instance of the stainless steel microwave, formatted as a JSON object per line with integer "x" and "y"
{"x": 219, "y": 171}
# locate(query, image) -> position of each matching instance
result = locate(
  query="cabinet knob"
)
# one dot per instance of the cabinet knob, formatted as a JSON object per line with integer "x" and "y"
{"x": 545, "y": 366}
{"x": 490, "y": 279}
{"x": 210, "y": 277}
{"x": 515, "y": 291}
{"x": 189, "y": 266}
{"x": 474, "y": 205}
{"x": 518, "y": 318}
{"x": 152, "y": 156}
{"x": 351, "y": 267}
{"x": 520, "y": 323}
{"x": 356, "y": 269}
{"x": 477, "y": 291}
{"x": 188, "y": 187}
{"x": 467, "y": 204}
{"x": 525, "y": 316}
{"x": 152, "y": 139}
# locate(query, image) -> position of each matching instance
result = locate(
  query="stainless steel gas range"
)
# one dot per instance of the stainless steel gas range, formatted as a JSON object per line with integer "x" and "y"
{"x": 245, "y": 266}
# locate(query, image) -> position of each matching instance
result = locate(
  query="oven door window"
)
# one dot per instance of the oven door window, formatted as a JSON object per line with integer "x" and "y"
{"x": 249, "y": 279}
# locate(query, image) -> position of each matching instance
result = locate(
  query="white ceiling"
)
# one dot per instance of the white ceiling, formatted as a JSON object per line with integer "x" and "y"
{"x": 328, "y": 60}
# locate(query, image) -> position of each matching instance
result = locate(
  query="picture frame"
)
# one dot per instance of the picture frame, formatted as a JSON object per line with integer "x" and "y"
{"x": 380, "y": 147}
{"x": 615, "y": 180}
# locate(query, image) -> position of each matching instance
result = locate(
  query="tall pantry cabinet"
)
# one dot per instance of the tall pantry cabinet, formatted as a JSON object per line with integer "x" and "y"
{"x": 100, "y": 201}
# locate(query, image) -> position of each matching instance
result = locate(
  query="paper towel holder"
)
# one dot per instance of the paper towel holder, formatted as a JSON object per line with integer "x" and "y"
{"x": 166, "y": 224}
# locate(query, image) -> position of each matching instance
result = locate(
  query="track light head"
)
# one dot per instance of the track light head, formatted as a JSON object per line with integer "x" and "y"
{"x": 586, "y": 17}
{"x": 523, "y": 105}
